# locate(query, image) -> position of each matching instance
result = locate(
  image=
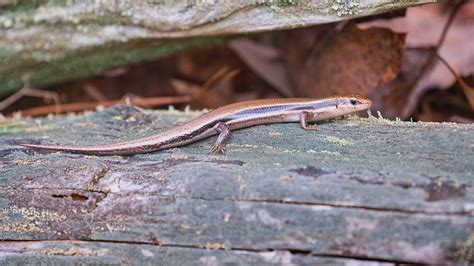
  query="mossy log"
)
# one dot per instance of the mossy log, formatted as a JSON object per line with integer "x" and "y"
{"x": 43, "y": 42}
{"x": 357, "y": 190}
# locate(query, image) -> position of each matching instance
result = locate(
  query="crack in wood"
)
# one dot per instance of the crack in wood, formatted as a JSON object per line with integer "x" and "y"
{"x": 5, "y": 245}
{"x": 257, "y": 200}
{"x": 437, "y": 189}
{"x": 335, "y": 205}
{"x": 74, "y": 196}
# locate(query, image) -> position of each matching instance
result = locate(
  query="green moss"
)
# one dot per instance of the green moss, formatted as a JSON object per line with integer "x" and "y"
{"x": 465, "y": 253}
{"x": 339, "y": 141}
{"x": 91, "y": 61}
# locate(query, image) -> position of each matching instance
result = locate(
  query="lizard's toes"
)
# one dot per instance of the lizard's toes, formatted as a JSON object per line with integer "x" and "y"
{"x": 217, "y": 148}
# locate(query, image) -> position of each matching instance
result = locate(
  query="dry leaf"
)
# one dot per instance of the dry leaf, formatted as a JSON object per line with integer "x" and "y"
{"x": 424, "y": 26}
{"x": 391, "y": 98}
{"x": 266, "y": 62}
{"x": 351, "y": 61}
{"x": 301, "y": 44}
{"x": 444, "y": 105}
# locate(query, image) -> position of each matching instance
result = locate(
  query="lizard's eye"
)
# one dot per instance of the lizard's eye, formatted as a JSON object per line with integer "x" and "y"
{"x": 353, "y": 102}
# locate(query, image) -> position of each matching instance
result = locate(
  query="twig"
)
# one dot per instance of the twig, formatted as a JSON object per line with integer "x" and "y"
{"x": 434, "y": 51}
{"x": 229, "y": 75}
{"x": 468, "y": 90}
{"x": 94, "y": 93}
{"x": 27, "y": 91}
{"x": 79, "y": 107}
{"x": 210, "y": 82}
{"x": 220, "y": 76}
{"x": 451, "y": 17}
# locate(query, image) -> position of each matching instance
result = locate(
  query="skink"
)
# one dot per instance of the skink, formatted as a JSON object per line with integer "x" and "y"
{"x": 227, "y": 118}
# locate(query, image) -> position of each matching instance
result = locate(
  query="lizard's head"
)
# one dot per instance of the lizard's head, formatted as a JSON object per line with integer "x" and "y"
{"x": 352, "y": 103}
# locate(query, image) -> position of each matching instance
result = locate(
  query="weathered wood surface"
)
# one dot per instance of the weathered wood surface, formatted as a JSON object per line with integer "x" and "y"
{"x": 48, "y": 41}
{"x": 358, "y": 189}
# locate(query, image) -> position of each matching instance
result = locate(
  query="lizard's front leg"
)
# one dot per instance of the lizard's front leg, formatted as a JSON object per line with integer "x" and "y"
{"x": 224, "y": 133}
{"x": 304, "y": 119}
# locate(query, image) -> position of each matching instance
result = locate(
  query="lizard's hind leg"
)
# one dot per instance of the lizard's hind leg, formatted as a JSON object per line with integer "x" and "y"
{"x": 224, "y": 133}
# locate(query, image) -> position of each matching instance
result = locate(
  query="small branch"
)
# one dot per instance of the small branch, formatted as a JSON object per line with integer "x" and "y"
{"x": 211, "y": 82}
{"x": 204, "y": 94}
{"x": 468, "y": 90}
{"x": 455, "y": 10}
{"x": 151, "y": 102}
{"x": 441, "y": 39}
{"x": 95, "y": 93}
{"x": 27, "y": 91}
